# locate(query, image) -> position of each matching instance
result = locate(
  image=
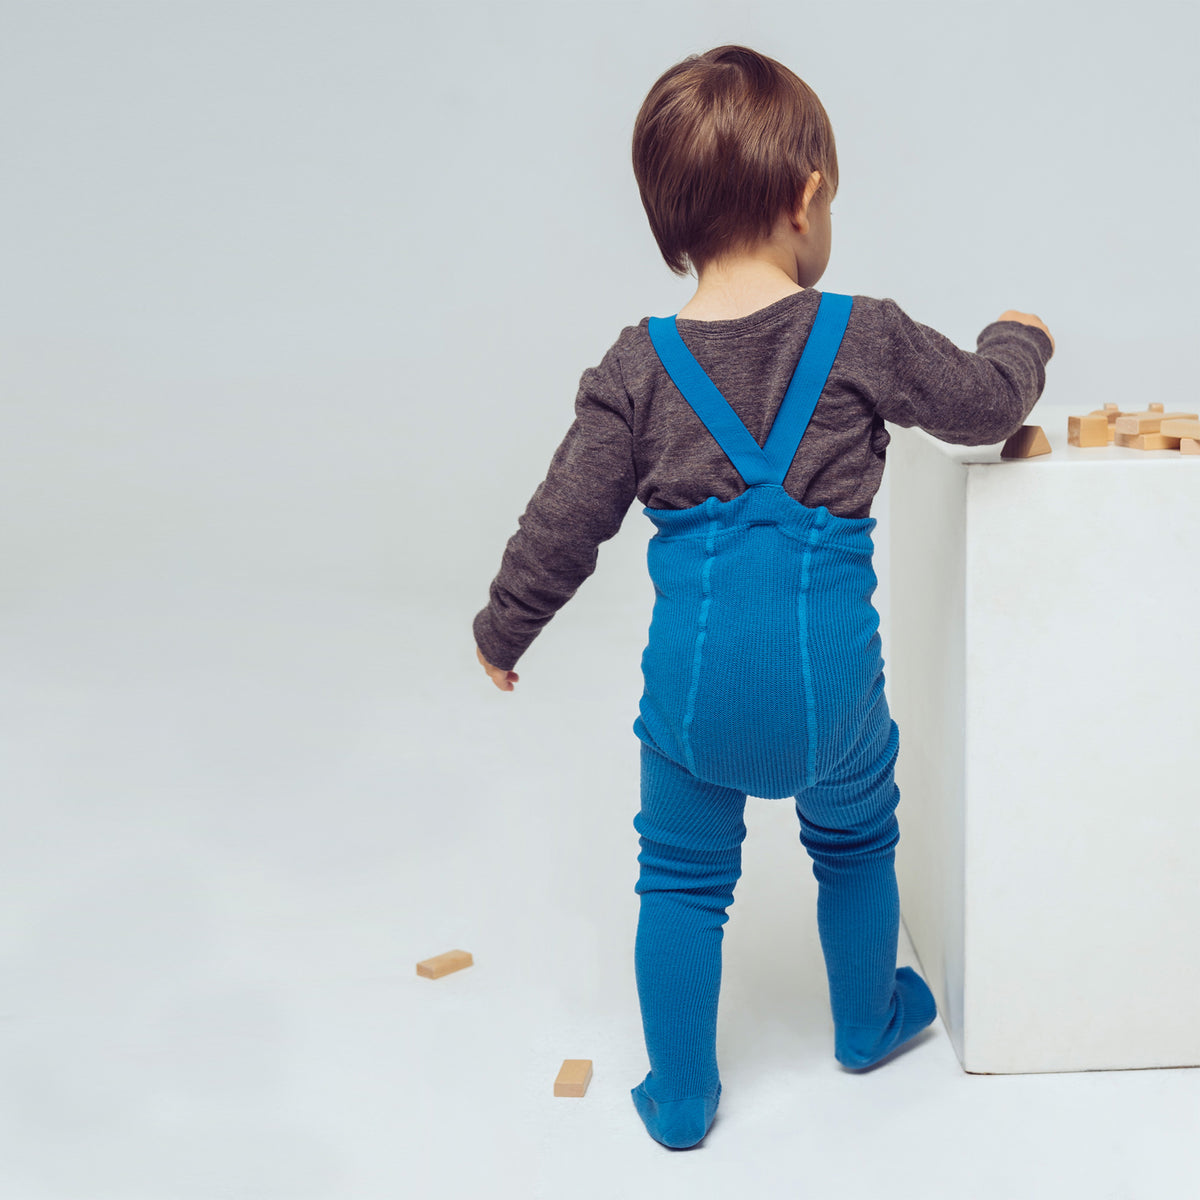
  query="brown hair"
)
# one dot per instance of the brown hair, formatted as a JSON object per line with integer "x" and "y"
{"x": 725, "y": 141}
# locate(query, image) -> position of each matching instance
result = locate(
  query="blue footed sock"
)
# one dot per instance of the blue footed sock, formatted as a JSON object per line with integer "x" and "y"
{"x": 679, "y": 1124}
{"x": 912, "y": 1008}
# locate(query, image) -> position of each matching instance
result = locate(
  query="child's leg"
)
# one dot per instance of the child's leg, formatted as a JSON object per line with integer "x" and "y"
{"x": 691, "y": 857}
{"x": 849, "y": 828}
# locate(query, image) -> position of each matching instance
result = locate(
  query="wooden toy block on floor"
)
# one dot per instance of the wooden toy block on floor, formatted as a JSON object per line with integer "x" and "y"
{"x": 573, "y": 1077}
{"x": 1027, "y": 442}
{"x": 444, "y": 964}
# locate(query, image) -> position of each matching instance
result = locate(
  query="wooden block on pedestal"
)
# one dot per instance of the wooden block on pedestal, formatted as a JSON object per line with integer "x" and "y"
{"x": 1150, "y": 422}
{"x": 1027, "y": 442}
{"x": 1110, "y": 412}
{"x": 1181, "y": 427}
{"x": 1089, "y": 430}
{"x": 1147, "y": 441}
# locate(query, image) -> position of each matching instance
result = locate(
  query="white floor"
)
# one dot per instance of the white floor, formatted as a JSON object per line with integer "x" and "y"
{"x": 234, "y": 821}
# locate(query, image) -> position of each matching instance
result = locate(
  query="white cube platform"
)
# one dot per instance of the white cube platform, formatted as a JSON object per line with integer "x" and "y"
{"x": 1044, "y": 671}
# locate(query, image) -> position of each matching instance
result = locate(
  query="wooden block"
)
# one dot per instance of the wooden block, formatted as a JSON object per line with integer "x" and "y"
{"x": 1150, "y": 422}
{"x": 1110, "y": 412}
{"x": 1180, "y": 427}
{"x": 573, "y": 1077}
{"x": 444, "y": 964}
{"x": 1189, "y": 446}
{"x": 1113, "y": 413}
{"x": 1028, "y": 441}
{"x": 1091, "y": 430}
{"x": 1147, "y": 441}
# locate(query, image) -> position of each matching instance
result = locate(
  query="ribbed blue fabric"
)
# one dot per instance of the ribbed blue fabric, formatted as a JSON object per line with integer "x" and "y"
{"x": 763, "y": 676}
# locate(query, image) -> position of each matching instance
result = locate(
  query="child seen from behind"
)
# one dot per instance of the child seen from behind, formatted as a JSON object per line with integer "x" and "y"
{"x": 750, "y": 426}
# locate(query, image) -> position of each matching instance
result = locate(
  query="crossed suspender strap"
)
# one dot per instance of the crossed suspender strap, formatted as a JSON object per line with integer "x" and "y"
{"x": 768, "y": 463}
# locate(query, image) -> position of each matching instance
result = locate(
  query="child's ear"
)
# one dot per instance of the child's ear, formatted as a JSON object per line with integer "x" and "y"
{"x": 810, "y": 190}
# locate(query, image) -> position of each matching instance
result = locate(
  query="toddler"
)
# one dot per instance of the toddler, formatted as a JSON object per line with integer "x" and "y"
{"x": 750, "y": 425}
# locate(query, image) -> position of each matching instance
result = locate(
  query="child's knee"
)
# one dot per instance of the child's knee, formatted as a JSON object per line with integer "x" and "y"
{"x": 875, "y": 833}
{"x": 704, "y": 874}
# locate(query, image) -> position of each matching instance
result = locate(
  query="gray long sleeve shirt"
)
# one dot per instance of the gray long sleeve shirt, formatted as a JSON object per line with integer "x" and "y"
{"x": 635, "y": 437}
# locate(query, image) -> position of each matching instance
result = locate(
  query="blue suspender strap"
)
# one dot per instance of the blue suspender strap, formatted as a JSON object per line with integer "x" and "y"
{"x": 711, "y": 407}
{"x": 769, "y": 463}
{"x": 800, "y": 400}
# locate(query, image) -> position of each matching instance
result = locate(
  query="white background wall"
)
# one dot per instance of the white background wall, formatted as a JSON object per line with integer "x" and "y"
{"x": 299, "y": 294}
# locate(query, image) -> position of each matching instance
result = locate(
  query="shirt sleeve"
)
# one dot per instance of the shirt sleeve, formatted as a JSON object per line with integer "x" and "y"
{"x": 590, "y": 484}
{"x": 970, "y": 399}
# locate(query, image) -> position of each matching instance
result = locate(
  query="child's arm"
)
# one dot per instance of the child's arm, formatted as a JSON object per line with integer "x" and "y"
{"x": 971, "y": 399}
{"x": 591, "y": 482}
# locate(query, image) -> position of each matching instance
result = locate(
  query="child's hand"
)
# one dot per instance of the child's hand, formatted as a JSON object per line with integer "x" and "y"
{"x": 1028, "y": 319}
{"x": 504, "y": 680}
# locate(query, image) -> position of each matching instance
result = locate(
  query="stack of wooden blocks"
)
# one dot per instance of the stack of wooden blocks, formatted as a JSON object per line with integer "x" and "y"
{"x": 1149, "y": 430}
{"x": 1153, "y": 429}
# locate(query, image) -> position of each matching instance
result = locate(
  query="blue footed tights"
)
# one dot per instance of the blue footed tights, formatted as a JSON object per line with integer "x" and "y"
{"x": 691, "y": 834}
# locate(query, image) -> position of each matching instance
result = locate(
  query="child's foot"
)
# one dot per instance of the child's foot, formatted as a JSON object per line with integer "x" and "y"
{"x": 679, "y": 1124}
{"x": 913, "y": 1008}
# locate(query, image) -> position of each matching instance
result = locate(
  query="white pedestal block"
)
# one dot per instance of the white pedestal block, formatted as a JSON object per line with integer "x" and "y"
{"x": 1044, "y": 671}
